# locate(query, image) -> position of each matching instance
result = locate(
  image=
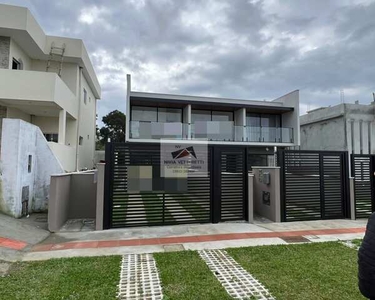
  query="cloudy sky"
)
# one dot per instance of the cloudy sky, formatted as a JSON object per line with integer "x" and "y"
{"x": 230, "y": 48}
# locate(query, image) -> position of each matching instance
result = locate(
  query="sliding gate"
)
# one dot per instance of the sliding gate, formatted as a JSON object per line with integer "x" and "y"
{"x": 363, "y": 168}
{"x": 314, "y": 185}
{"x": 137, "y": 195}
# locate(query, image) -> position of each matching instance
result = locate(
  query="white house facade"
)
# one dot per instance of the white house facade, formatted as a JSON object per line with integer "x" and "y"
{"x": 49, "y": 82}
{"x": 48, "y": 97}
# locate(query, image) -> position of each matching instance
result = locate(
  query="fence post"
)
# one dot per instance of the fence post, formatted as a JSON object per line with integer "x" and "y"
{"x": 250, "y": 197}
{"x": 100, "y": 196}
{"x": 352, "y": 198}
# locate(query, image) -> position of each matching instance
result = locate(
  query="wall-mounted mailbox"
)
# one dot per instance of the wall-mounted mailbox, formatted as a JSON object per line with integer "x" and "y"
{"x": 264, "y": 177}
{"x": 266, "y": 198}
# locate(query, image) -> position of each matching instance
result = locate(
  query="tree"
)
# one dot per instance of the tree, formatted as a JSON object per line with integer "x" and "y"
{"x": 113, "y": 129}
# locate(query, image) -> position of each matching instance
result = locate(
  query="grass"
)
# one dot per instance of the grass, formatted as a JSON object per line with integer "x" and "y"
{"x": 357, "y": 242}
{"x": 68, "y": 278}
{"x": 305, "y": 271}
{"x": 185, "y": 276}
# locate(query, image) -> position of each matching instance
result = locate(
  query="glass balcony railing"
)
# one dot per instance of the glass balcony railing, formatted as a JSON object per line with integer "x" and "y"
{"x": 211, "y": 131}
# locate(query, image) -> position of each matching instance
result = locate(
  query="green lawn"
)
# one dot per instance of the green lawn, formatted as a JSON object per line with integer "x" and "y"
{"x": 185, "y": 276}
{"x": 72, "y": 278}
{"x": 304, "y": 271}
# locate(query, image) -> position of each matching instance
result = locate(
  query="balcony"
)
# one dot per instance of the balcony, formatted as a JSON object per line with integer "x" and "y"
{"x": 20, "y": 88}
{"x": 210, "y": 131}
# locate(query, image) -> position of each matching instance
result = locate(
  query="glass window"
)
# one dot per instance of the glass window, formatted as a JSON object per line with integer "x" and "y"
{"x": 169, "y": 115}
{"x": 222, "y": 116}
{"x": 200, "y": 115}
{"x": 270, "y": 120}
{"x": 253, "y": 120}
{"x": 51, "y": 137}
{"x": 143, "y": 113}
{"x": 16, "y": 65}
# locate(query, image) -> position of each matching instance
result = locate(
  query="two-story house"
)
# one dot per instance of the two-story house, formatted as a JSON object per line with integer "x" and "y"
{"x": 186, "y": 159}
{"x": 259, "y": 126}
{"x": 48, "y": 81}
{"x": 48, "y": 97}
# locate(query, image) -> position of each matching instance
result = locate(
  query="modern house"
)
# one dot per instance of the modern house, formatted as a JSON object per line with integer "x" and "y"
{"x": 343, "y": 127}
{"x": 259, "y": 125}
{"x": 188, "y": 159}
{"x": 48, "y": 94}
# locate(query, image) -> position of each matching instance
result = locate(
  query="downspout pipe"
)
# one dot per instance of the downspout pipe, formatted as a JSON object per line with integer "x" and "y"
{"x": 79, "y": 113}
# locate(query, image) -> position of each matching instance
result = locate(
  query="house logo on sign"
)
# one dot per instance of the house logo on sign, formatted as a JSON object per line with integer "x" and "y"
{"x": 181, "y": 160}
{"x": 187, "y": 152}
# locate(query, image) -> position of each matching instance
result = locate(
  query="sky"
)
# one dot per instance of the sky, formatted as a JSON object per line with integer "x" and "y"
{"x": 246, "y": 49}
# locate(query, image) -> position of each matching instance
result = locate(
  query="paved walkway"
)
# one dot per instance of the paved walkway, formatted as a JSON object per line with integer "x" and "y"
{"x": 180, "y": 237}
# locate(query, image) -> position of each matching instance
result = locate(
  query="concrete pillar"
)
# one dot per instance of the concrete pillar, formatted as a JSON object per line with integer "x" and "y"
{"x": 186, "y": 120}
{"x": 99, "y": 196}
{"x": 250, "y": 197}
{"x": 62, "y": 126}
{"x": 352, "y": 198}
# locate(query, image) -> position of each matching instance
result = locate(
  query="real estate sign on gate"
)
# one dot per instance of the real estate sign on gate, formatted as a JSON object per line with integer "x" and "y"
{"x": 183, "y": 160}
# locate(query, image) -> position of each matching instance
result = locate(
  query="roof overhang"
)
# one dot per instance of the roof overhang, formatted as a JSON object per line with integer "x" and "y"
{"x": 212, "y": 103}
{"x": 19, "y": 24}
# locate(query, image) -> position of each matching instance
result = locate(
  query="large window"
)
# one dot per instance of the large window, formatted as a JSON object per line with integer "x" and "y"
{"x": 143, "y": 113}
{"x": 156, "y": 114}
{"x": 200, "y": 115}
{"x": 208, "y": 115}
{"x": 222, "y": 116}
{"x": 263, "y": 120}
{"x": 169, "y": 115}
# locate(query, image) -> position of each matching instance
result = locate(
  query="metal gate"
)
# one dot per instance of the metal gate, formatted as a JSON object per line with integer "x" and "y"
{"x": 362, "y": 169}
{"x": 230, "y": 183}
{"x": 314, "y": 185}
{"x": 135, "y": 193}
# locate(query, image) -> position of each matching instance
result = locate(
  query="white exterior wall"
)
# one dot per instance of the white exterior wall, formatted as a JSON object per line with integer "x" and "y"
{"x": 14, "y": 113}
{"x": 19, "y": 140}
{"x": 46, "y": 124}
{"x": 87, "y": 127}
{"x": 17, "y": 53}
{"x": 291, "y": 119}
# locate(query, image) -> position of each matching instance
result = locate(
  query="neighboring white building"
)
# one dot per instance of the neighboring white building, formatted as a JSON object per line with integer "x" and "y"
{"x": 48, "y": 94}
{"x": 343, "y": 127}
{"x": 50, "y": 82}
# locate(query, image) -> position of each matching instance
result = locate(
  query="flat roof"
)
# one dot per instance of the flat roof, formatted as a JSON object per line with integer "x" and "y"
{"x": 141, "y": 98}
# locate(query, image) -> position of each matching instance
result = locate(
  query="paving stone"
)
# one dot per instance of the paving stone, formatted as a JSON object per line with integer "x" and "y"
{"x": 4, "y": 268}
{"x": 139, "y": 278}
{"x": 238, "y": 283}
{"x": 173, "y": 248}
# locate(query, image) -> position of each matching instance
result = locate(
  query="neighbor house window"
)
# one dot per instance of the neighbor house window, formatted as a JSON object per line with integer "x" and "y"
{"x": 84, "y": 96}
{"x": 51, "y": 137}
{"x": 16, "y": 65}
{"x": 29, "y": 163}
{"x": 80, "y": 141}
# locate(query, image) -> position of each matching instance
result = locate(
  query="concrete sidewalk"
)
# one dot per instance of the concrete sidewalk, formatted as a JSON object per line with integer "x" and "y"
{"x": 192, "y": 237}
{"x": 17, "y": 236}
